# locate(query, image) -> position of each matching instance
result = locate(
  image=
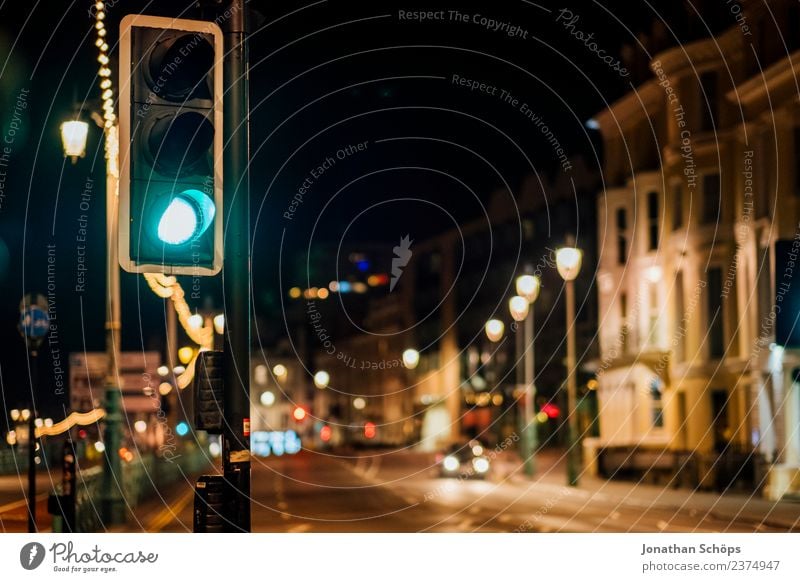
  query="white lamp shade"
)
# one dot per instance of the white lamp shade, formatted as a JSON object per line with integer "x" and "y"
{"x": 528, "y": 287}
{"x": 195, "y": 321}
{"x": 321, "y": 379}
{"x": 219, "y": 323}
{"x": 410, "y": 358}
{"x": 568, "y": 261}
{"x": 73, "y": 138}
{"x": 518, "y": 306}
{"x": 494, "y": 330}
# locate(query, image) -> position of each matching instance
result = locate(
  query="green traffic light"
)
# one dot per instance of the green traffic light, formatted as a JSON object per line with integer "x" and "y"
{"x": 187, "y": 216}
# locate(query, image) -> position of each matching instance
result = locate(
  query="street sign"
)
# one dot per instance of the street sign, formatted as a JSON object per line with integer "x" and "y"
{"x": 137, "y": 372}
{"x": 34, "y": 323}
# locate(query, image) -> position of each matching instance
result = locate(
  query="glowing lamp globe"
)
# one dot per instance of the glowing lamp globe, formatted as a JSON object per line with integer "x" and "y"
{"x": 568, "y": 261}
{"x": 321, "y": 379}
{"x": 73, "y": 139}
{"x": 411, "y": 359}
{"x": 494, "y": 330}
{"x": 528, "y": 287}
{"x": 518, "y": 306}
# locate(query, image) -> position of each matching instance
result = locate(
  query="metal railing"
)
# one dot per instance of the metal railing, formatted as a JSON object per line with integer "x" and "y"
{"x": 140, "y": 479}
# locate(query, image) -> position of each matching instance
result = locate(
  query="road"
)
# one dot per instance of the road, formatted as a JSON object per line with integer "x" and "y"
{"x": 400, "y": 492}
{"x": 391, "y": 491}
{"x": 14, "y": 505}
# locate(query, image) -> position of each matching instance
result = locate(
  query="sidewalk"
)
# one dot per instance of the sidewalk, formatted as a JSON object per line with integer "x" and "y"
{"x": 551, "y": 473}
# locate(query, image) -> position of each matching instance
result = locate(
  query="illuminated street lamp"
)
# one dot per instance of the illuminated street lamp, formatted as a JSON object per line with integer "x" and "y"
{"x": 528, "y": 287}
{"x": 519, "y": 307}
{"x": 568, "y": 261}
{"x": 494, "y": 330}
{"x": 280, "y": 371}
{"x": 25, "y": 415}
{"x": 185, "y": 354}
{"x": 15, "y": 414}
{"x": 219, "y": 323}
{"x": 321, "y": 379}
{"x": 411, "y": 358}
{"x": 195, "y": 321}
{"x": 73, "y": 138}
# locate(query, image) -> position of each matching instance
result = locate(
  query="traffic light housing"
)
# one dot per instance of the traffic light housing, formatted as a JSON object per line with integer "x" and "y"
{"x": 170, "y": 189}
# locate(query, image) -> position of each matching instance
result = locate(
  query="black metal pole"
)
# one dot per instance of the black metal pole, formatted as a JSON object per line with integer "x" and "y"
{"x": 32, "y": 443}
{"x": 236, "y": 267}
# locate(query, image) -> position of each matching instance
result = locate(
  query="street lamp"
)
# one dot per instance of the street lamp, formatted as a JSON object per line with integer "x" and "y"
{"x": 518, "y": 306}
{"x": 568, "y": 261}
{"x": 185, "y": 354}
{"x": 321, "y": 379}
{"x": 219, "y": 323}
{"x": 411, "y": 358}
{"x": 494, "y": 330}
{"x": 15, "y": 414}
{"x": 280, "y": 371}
{"x": 528, "y": 287}
{"x": 73, "y": 138}
{"x": 195, "y": 321}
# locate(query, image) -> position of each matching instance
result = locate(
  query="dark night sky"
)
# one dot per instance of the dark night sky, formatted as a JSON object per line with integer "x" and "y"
{"x": 323, "y": 75}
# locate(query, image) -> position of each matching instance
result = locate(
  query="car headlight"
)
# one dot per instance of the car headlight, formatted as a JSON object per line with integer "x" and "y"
{"x": 481, "y": 464}
{"x": 450, "y": 463}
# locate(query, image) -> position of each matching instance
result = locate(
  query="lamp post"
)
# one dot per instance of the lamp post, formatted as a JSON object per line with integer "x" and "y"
{"x": 73, "y": 135}
{"x": 528, "y": 291}
{"x": 568, "y": 261}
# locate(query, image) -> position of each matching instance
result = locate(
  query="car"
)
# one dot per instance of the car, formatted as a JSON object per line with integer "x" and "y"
{"x": 464, "y": 461}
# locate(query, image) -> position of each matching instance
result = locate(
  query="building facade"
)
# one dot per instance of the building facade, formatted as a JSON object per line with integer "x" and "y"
{"x": 701, "y": 180}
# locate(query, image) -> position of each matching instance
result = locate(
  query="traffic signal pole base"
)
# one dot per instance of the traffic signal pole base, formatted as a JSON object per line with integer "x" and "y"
{"x": 112, "y": 502}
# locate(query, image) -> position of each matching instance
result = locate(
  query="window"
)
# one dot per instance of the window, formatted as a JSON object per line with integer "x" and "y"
{"x": 622, "y": 236}
{"x": 657, "y": 402}
{"x": 677, "y": 206}
{"x": 652, "y": 221}
{"x": 708, "y": 100}
{"x": 711, "y": 198}
{"x": 716, "y": 339}
{"x": 623, "y": 312}
{"x": 653, "y": 338}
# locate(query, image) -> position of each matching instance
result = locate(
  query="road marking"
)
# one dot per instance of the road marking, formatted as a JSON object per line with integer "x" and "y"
{"x": 303, "y": 527}
{"x": 375, "y": 465}
{"x": 21, "y": 503}
{"x": 169, "y": 513}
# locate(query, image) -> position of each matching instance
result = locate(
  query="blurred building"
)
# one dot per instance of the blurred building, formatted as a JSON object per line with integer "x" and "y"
{"x": 701, "y": 179}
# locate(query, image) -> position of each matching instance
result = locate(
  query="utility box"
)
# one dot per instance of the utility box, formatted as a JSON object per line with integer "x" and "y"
{"x": 208, "y": 392}
{"x": 209, "y": 504}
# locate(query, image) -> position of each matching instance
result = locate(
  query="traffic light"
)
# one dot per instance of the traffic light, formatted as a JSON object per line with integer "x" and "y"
{"x": 170, "y": 189}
